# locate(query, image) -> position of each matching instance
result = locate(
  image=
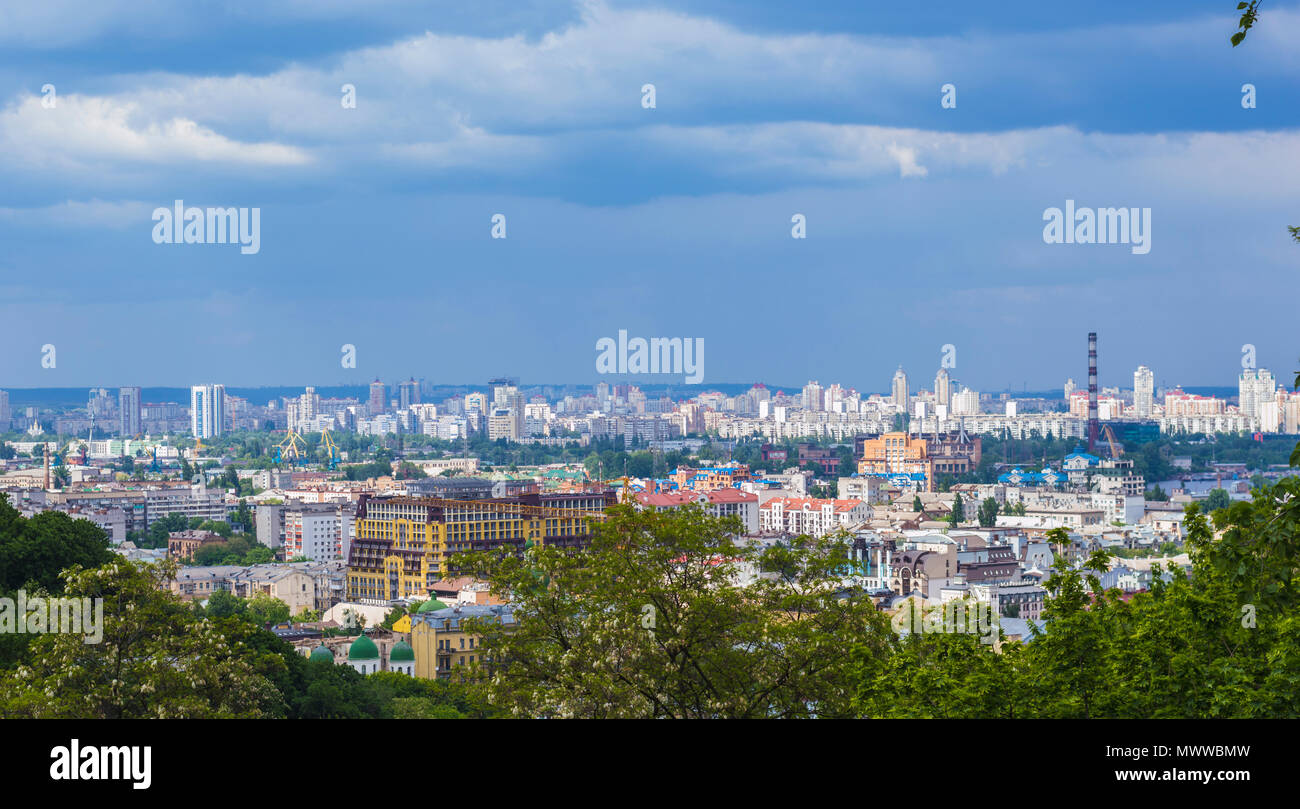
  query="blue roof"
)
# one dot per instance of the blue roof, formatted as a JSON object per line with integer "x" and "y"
{"x": 1092, "y": 460}
{"x": 1048, "y": 476}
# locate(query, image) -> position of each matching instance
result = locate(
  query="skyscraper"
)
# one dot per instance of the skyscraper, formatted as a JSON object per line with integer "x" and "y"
{"x": 1144, "y": 388}
{"x": 1093, "y": 423}
{"x": 812, "y": 396}
{"x": 5, "y": 416}
{"x": 900, "y": 388}
{"x": 1254, "y": 387}
{"x": 377, "y": 396}
{"x": 128, "y": 408}
{"x": 942, "y": 387}
{"x": 207, "y": 410}
{"x": 408, "y": 393}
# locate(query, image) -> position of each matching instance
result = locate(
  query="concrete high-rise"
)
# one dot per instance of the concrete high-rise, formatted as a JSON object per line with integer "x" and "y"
{"x": 942, "y": 387}
{"x": 812, "y": 396}
{"x": 408, "y": 393}
{"x": 1254, "y": 388}
{"x": 900, "y": 388}
{"x": 1144, "y": 389}
{"x": 207, "y": 410}
{"x": 1094, "y": 427}
{"x": 128, "y": 409}
{"x": 377, "y": 398}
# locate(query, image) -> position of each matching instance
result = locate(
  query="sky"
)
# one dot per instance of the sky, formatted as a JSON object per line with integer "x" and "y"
{"x": 924, "y": 223}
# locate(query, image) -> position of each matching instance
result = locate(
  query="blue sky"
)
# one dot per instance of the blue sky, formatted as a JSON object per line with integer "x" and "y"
{"x": 924, "y": 224}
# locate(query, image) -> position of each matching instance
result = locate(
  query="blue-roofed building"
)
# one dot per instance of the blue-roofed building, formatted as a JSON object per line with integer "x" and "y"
{"x": 1078, "y": 464}
{"x": 1019, "y": 477}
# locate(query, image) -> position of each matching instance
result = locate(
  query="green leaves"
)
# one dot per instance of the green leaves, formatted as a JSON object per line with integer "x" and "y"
{"x": 1250, "y": 13}
{"x": 667, "y": 615}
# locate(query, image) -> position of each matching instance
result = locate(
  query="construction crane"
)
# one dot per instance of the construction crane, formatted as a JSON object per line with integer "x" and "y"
{"x": 291, "y": 448}
{"x": 625, "y": 493}
{"x": 327, "y": 441}
{"x": 1116, "y": 449}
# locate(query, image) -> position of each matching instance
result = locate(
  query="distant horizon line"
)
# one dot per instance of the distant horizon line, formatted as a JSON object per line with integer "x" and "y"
{"x": 702, "y": 387}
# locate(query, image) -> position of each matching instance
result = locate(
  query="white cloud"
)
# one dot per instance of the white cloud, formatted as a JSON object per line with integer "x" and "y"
{"x": 519, "y": 107}
{"x": 81, "y": 131}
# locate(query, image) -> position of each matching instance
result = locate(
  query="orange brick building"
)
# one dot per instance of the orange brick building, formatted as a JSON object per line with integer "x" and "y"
{"x": 901, "y": 453}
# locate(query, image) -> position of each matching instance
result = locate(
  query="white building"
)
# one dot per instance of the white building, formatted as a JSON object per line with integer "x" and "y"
{"x": 207, "y": 410}
{"x": 900, "y": 389}
{"x": 1143, "y": 392}
{"x": 966, "y": 403}
{"x": 809, "y": 515}
{"x": 1254, "y": 387}
{"x": 314, "y": 531}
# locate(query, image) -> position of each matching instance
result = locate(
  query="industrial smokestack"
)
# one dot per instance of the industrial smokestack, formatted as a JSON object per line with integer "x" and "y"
{"x": 1093, "y": 429}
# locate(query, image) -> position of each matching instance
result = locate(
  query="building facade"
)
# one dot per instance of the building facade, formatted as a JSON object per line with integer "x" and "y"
{"x": 403, "y": 544}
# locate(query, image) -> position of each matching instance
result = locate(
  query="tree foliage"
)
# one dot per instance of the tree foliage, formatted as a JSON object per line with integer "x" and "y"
{"x": 652, "y": 621}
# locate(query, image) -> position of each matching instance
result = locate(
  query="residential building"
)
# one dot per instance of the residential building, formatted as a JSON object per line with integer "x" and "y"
{"x": 900, "y": 453}
{"x": 443, "y": 643}
{"x": 810, "y": 515}
{"x": 313, "y": 531}
{"x": 181, "y": 545}
{"x": 403, "y": 545}
{"x": 207, "y": 410}
{"x": 942, "y": 388}
{"x": 1143, "y": 392}
{"x": 128, "y": 409}
{"x": 899, "y": 389}
{"x": 718, "y": 503}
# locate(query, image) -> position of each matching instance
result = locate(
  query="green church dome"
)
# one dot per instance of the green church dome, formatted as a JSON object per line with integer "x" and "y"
{"x": 363, "y": 648}
{"x": 401, "y": 652}
{"x": 322, "y": 652}
{"x": 432, "y": 605}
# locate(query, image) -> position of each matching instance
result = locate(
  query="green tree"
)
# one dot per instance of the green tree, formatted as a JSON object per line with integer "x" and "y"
{"x": 156, "y": 658}
{"x": 1217, "y": 499}
{"x": 222, "y": 604}
{"x": 264, "y": 609}
{"x": 394, "y": 615}
{"x": 35, "y": 550}
{"x": 651, "y": 621}
{"x": 988, "y": 513}
{"x": 957, "y": 516}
